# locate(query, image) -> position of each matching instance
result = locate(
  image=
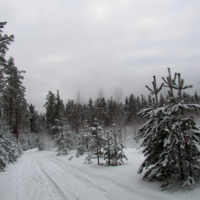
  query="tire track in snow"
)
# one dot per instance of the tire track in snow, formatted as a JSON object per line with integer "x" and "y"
{"x": 72, "y": 185}
{"x": 51, "y": 180}
{"x": 26, "y": 181}
{"x": 118, "y": 185}
{"x": 41, "y": 185}
{"x": 82, "y": 178}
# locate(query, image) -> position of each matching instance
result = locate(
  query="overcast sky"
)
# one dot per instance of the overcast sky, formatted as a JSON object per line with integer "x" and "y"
{"x": 89, "y": 45}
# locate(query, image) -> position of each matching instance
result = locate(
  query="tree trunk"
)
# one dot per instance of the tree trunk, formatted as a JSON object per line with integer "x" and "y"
{"x": 17, "y": 134}
{"x": 11, "y": 110}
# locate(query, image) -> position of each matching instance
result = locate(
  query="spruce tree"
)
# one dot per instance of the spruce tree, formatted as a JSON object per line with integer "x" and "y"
{"x": 33, "y": 119}
{"x": 91, "y": 112}
{"x": 63, "y": 138}
{"x": 50, "y": 109}
{"x": 132, "y": 108}
{"x": 58, "y": 111}
{"x": 84, "y": 138}
{"x": 171, "y": 139}
{"x": 97, "y": 140}
{"x": 113, "y": 150}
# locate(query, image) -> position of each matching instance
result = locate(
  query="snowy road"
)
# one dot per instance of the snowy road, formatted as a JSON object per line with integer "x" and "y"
{"x": 40, "y": 176}
{"x": 45, "y": 176}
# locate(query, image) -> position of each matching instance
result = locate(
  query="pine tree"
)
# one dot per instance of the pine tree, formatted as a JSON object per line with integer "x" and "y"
{"x": 171, "y": 140}
{"x": 13, "y": 97}
{"x": 5, "y": 41}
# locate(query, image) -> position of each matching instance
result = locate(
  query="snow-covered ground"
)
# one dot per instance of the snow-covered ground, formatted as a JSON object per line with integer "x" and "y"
{"x": 41, "y": 175}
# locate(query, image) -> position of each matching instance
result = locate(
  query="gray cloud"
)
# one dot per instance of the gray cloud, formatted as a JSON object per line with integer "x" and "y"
{"x": 88, "y": 45}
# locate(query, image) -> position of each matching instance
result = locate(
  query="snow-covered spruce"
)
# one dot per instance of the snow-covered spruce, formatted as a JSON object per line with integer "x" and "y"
{"x": 9, "y": 150}
{"x": 97, "y": 140}
{"x": 171, "y": 138}
{"x": 63, "y": 138}
{"x": 91, "y": 141}
{"x": 84, "y": 140}
{"x": 113, "y": 150}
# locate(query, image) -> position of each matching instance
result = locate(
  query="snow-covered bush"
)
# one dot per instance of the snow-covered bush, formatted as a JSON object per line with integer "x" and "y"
{"x": 171, "y": 138}
{"x": 9, "y": 150}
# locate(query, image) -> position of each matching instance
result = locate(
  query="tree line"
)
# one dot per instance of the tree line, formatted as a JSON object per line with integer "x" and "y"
{"x": 107, "y": 111}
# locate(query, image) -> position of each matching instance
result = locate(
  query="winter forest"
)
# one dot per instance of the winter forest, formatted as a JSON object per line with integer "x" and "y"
{"x": 164, "y": 125}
